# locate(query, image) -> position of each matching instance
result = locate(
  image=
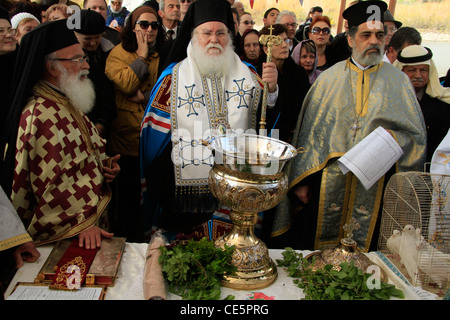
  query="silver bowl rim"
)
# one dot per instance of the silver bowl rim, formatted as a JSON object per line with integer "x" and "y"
{"x": 293, "y": 152}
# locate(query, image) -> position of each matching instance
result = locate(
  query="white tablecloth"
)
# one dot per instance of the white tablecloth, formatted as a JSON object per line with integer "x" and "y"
{"x": 129, "y": 281}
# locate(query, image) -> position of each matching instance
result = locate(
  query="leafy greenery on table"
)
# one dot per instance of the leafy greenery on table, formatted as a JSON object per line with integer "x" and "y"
{"x": 194, "y": 270}
{"x": 349, "y": 283}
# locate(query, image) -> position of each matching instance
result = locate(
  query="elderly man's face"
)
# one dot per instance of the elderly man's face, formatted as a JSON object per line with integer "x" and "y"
{"x": 418, "y": 74}
{"x": 291, "y": 25}
{"x": 97, "y": 5}
{"x": 368, "y": 43}
{"x": 89, "y": 42}
{"x": 66, "y": 55}
{"x": 212, "y": 36}
{"x": 171, "y": 10}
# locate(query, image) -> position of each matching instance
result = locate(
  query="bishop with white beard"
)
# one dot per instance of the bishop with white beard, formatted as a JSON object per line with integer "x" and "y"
{"x": 206, "y": 91}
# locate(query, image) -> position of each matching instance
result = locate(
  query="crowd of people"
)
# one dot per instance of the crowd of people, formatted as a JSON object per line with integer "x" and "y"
{"x": 104, "y": 111}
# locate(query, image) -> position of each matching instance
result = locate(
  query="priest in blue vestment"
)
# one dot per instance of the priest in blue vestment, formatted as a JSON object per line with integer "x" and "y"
{"x": 205, "y": 91}
{"x": 345, "y": 104}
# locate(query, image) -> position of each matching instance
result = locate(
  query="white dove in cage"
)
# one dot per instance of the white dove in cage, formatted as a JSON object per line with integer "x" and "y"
{"x": 419, "y": 257}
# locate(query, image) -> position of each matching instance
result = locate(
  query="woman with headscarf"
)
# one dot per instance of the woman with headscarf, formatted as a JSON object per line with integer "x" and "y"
{"x": 132, "y": 66}
{"x": 304, "y": 54}
{"x": 251, "y": 47}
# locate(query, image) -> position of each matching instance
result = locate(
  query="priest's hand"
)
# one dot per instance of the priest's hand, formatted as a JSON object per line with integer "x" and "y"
{"x": 270, "y": 75}
{"x": 92, "y": 237}
{"x": 302, "y": 193}
{"x": 112, "y": 172}
{"x": 25, "y": 252}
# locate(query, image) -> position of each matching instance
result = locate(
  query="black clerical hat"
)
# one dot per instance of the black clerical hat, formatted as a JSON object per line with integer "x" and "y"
{"x": 210, "y": 10}
{"x": 365, "y": 11}
{"x": 199, "y": 11}
{"x": 49, "y": 37}
{"x": 91, "y": 22}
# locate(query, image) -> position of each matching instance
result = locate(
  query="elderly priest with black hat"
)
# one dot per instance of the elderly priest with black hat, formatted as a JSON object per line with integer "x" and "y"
{"x": 55, "y": 169}
{"x": 345, "y": 104}
{"x": 206, "y": 90}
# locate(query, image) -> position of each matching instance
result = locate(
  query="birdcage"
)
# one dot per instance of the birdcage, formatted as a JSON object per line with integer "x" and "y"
{"x": 415, "y": 228}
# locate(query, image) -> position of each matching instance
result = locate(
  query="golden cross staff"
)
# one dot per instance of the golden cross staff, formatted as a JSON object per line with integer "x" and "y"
{"x": 268, "y": 40}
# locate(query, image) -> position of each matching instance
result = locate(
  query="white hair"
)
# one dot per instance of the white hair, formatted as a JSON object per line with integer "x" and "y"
{"x": 79, "y": 91}
{"x": 285, "y": 13}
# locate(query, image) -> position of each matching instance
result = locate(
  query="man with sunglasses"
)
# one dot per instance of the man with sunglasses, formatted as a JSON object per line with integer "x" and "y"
{"x": 184, "y": 5}
{"x": 346, "y": 103}
{"x": 55, "y": 169}
{"x": 205, "y": 91}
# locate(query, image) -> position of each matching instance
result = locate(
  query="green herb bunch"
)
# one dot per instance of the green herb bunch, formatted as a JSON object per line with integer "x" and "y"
{"x": 349, "y": 283}
{"x": 194, "y": 270}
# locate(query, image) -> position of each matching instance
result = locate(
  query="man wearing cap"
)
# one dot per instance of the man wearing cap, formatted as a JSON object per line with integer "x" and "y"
{"x": 205, "y": 91}
{"x": 391, "y": 26}
{"x": 96, "y": 48}
{"x": 55, "y": 168}
{"x": 434, "y": 99}
{"x": 345, "y": 104}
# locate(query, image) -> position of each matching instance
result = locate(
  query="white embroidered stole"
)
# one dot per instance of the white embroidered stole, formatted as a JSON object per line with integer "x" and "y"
{"x": 203, "y": 107}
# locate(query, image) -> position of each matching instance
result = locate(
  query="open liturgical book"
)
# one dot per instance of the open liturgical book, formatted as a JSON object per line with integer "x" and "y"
{"x": 372, "y": 157}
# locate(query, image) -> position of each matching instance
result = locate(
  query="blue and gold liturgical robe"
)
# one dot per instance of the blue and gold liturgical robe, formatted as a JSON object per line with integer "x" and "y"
{"x": 341, "y": 97}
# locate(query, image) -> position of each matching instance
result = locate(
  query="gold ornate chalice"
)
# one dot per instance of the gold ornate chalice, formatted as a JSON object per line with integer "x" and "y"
{"x": 247, "y": 177}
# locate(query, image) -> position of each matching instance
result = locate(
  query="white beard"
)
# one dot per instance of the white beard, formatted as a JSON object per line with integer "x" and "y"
{"x": 80, "y": 92}
{"x": 213, "y": 65}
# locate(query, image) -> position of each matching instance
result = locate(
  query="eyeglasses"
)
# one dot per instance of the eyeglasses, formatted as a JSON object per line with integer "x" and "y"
{"x": 293, "y": 25}
{"x": 145, "y": 24}
{"x": 5, "y": 31}
{"x": 219, "y": 34}
{"x": 317, "y": 30}
{"x": 183, "y": 1}
{"x": 116, "y": 3}
{"x": 80, "y": 60}
{"x": 248, "y": 22}
{"x": 389, "y": 29}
